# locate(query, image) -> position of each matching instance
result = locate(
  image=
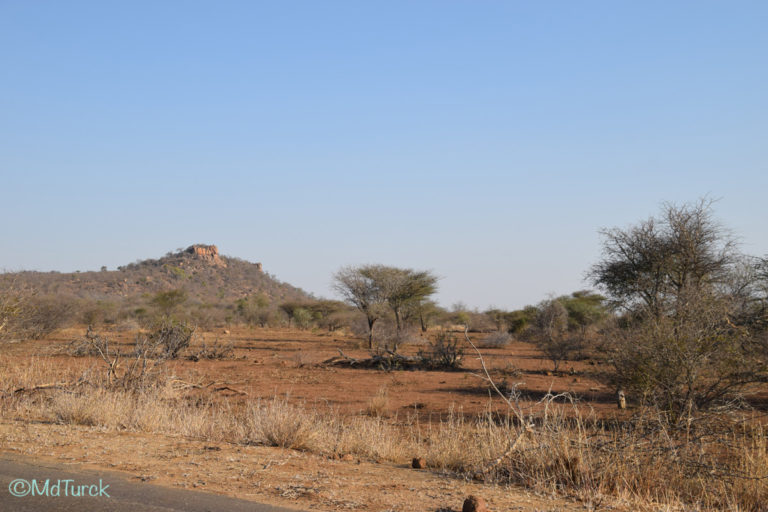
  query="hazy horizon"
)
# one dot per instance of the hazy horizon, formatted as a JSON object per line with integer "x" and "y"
{"x": 487, "y": 142}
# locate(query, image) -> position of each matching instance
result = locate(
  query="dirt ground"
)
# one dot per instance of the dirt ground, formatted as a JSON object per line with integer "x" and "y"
{"x": 280, "y": 362}
{"x": 273, "y": 362}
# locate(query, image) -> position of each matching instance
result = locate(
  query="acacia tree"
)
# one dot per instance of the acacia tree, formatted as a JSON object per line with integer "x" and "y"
{"x": 650, "y": 264}
{"x": 404, "y": 287}
{"x": 370, "y": 288}
{"x": 360, "y": 288}
{"x": 168, "y": 301}
{"x": 585, "y": 310}
{"x": 683, "y": 345}
{"x": 425, "y": 311}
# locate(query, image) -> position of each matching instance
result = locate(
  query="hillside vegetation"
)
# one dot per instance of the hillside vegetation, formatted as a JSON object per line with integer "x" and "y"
{"x": 197, "y": 280}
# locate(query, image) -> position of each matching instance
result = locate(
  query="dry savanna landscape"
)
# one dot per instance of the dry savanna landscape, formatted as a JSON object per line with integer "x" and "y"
{"x": 197, "y": 370}
{"x": 384, "y": 256}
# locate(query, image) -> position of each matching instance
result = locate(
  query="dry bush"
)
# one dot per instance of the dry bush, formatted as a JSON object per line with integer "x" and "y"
{"x": 496, "y": 339}
{"x": 693, "y": 307}
{"x": 207, "y": 316}
{"x": 23, "y": 314}
{"x": 166, "y": 340}
{"x": 97, "y": 312}
{"x": 553, "y": 338}
{"x": 126, "y": 325}
{"x": 443, "y": 353}
{"x": 142, "y": 368}
{"x": 558, "y": 350}
{"x": 91, "y": 344}
{"x": 479, "y": 322}
{"x": 13, "y": 302}
{"x": 461, "y": 317}
{"x": 45, "y": 315}
{"x": 135, "y": 371}
{"x": 216, "y": 350}
{"x": 694, "y": 359}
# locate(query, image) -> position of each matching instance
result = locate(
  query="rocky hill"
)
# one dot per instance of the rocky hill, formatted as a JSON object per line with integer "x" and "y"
{"x": 206, "y": 276}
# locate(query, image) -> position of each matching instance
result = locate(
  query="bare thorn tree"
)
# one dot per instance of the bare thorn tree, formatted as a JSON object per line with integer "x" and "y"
{"x": 648, "y": 265}
{"x": 688, "y": 339}
{"x": 358, "y": 287}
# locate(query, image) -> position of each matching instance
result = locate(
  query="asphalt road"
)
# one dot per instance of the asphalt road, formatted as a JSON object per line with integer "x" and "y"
{"x": 17, "y": 473}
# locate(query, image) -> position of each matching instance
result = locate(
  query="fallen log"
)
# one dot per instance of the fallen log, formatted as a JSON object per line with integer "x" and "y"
{"x": 386, "y": 361}
{"x": 227, "y": 388}
{"x": 212, "y": 386}
{"x": 42, "y": 387}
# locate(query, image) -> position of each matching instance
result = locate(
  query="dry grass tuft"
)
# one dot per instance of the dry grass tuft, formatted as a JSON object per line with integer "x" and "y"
{"x": 278, "y": 423}
{"x": 378, "y": 405}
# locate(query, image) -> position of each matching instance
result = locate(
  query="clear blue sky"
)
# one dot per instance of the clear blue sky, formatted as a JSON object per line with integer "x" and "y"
{"x": 485, "y": 140}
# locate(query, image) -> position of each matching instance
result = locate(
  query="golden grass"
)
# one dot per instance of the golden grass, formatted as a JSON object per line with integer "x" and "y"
{"x": 378, "y": 405}
{"x": 717, "y": 464}
{"x": 278, "y": 423}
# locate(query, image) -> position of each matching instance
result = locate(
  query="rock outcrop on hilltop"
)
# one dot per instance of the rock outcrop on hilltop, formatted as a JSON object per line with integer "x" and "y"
{"x": 208, "y": 253}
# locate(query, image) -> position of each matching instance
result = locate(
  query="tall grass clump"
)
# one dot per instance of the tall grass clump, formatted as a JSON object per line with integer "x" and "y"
{"x": 279, "y": 423}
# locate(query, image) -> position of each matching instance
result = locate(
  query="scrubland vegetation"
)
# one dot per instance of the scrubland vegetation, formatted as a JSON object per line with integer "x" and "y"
{"x": 555, "y": 446}
{"x": 678, "y": 324}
